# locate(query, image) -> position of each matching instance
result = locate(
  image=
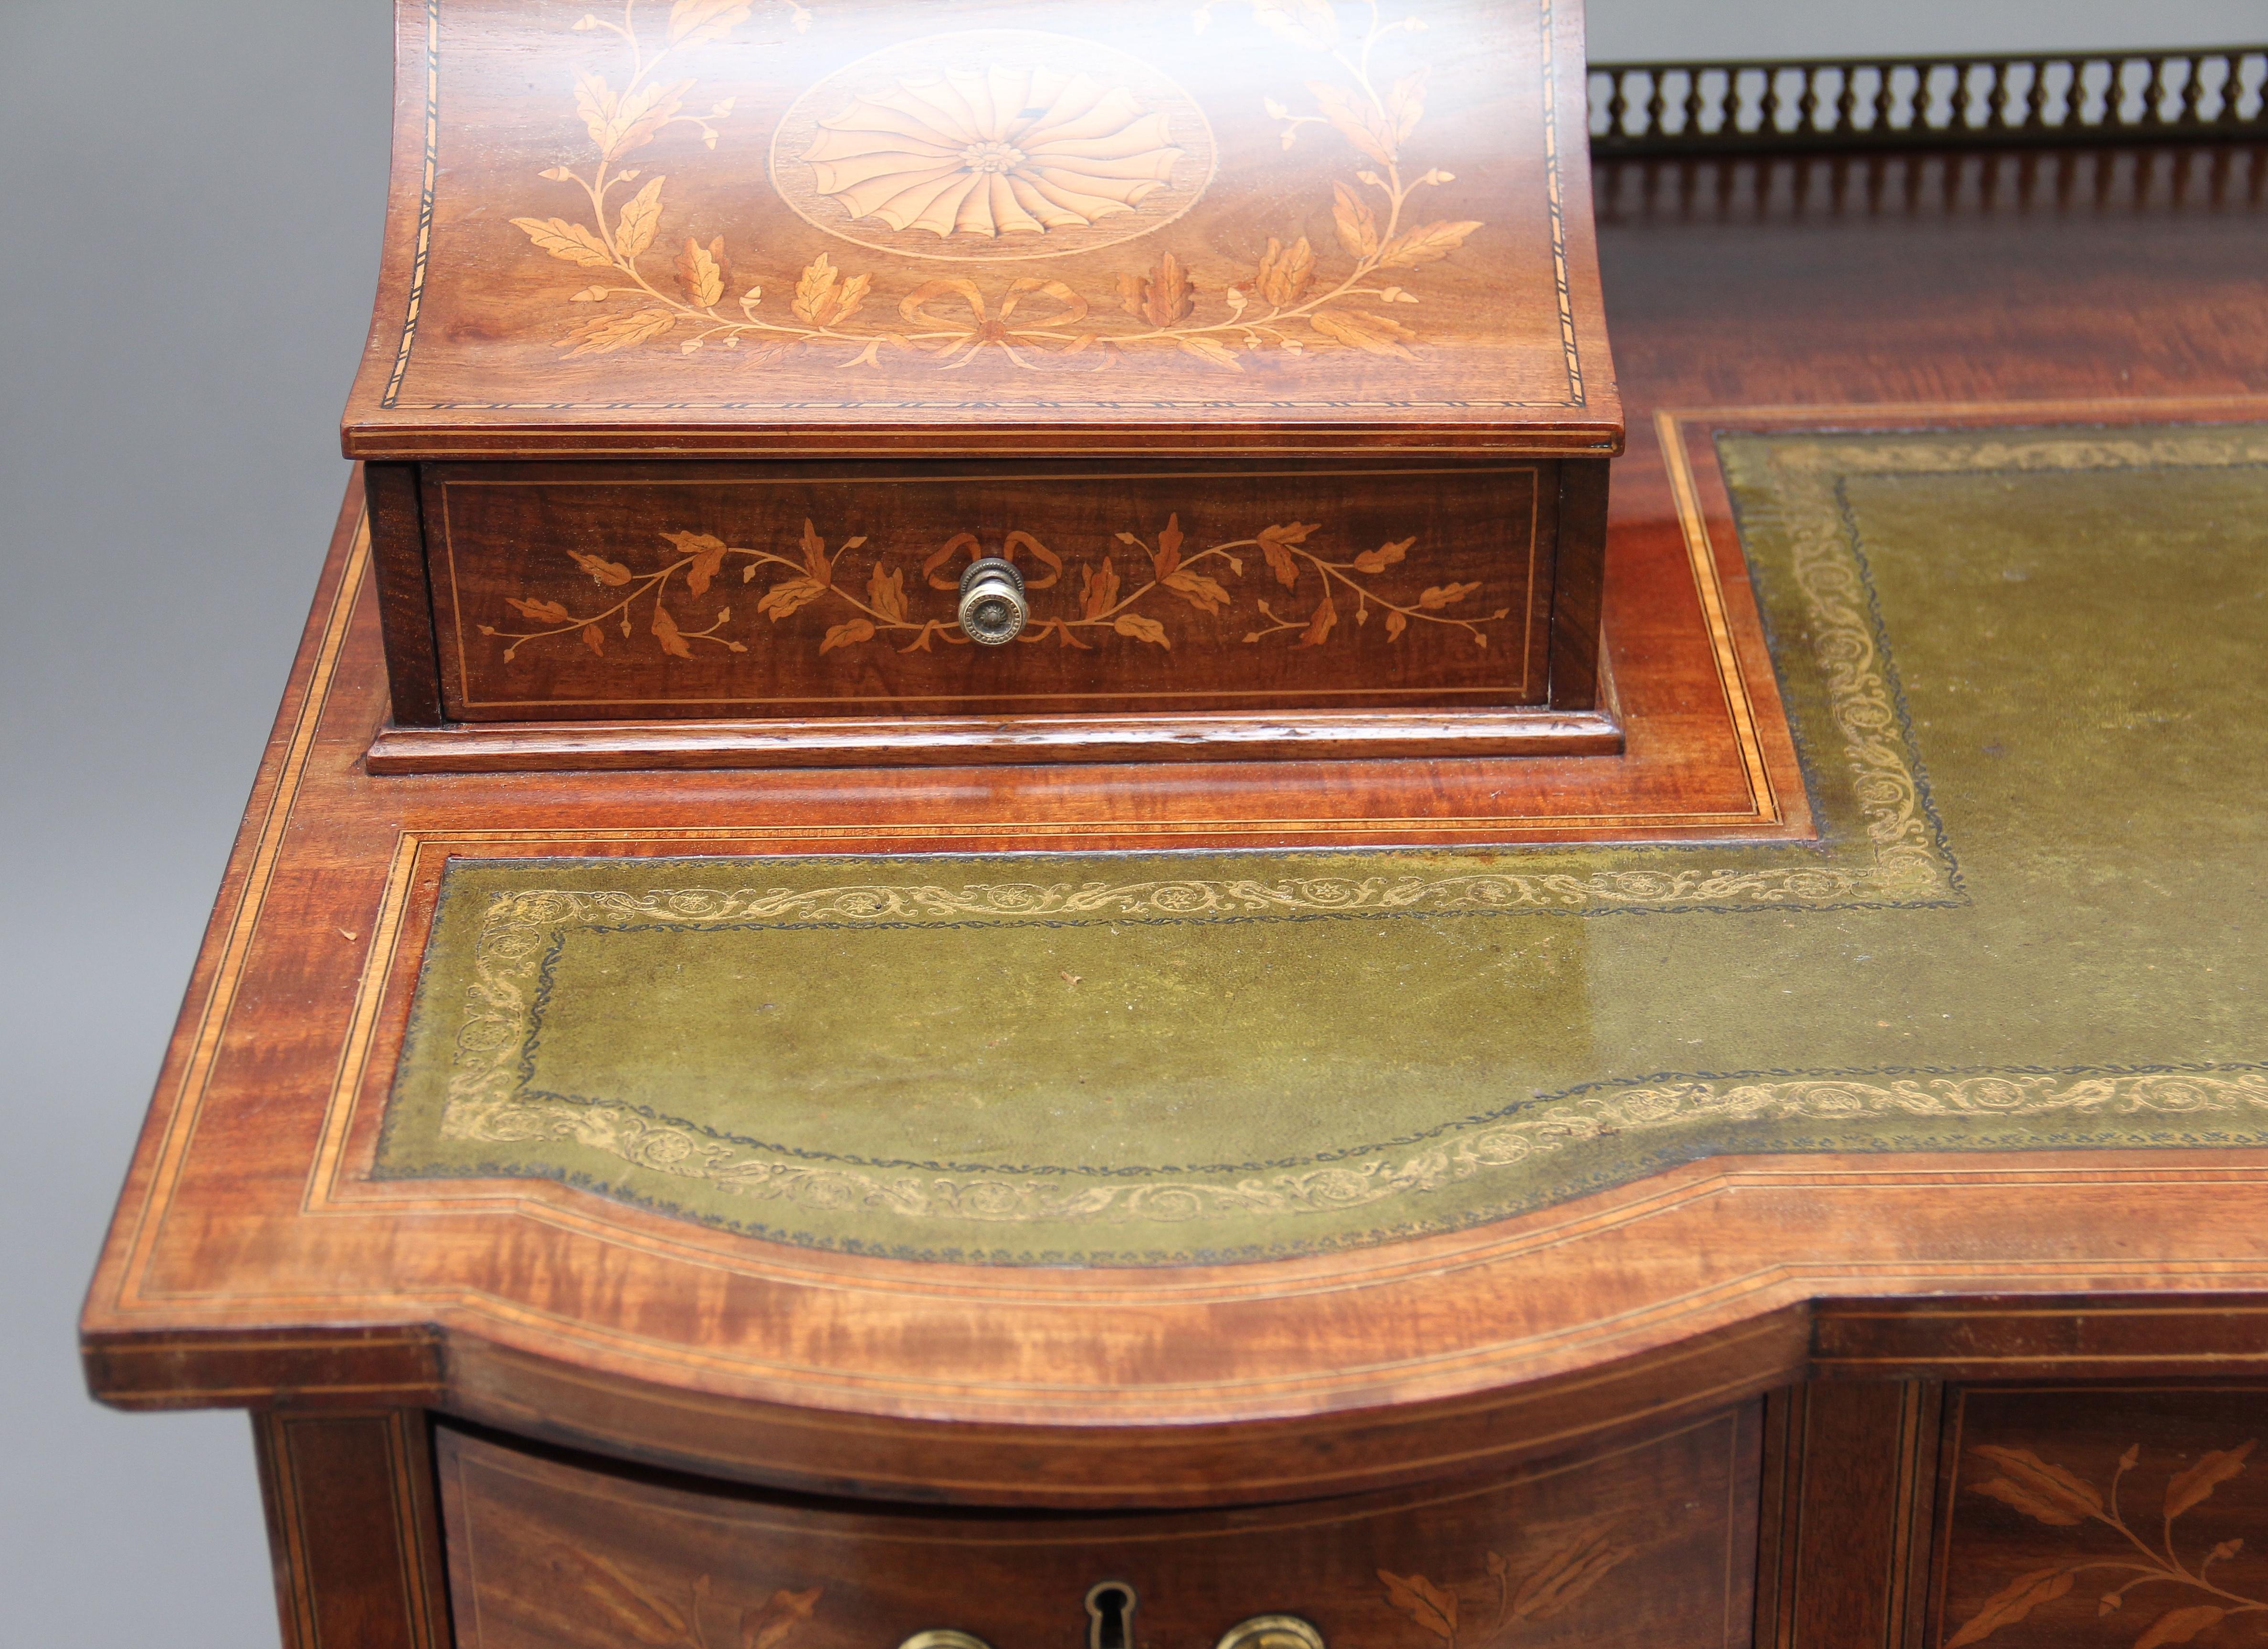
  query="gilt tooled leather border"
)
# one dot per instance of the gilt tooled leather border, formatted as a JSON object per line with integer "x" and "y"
{"x": 2170, "y": 1106}
{"x": 1897, "y": 855}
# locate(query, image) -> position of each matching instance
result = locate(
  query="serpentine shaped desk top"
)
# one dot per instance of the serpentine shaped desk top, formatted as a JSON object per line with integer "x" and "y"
{"x": 2024, "y": 672}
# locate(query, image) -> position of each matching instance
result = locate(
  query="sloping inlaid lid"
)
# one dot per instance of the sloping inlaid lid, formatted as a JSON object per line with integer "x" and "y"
{"x": 866, "y": 225}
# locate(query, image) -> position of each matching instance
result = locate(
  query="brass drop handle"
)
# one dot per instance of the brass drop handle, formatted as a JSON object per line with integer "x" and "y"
{"x": 1110, "y": 1625}
{"x": 944, "y": 1637}
{"x": 993, "y": 607}
{"x": 1271, "y": 1632}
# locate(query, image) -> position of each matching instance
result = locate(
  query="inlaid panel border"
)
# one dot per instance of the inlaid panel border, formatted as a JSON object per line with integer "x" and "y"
{"x": 430, "y": 140}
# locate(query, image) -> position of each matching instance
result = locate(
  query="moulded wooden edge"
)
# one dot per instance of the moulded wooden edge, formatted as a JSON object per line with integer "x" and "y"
{"x": 1595, "y": 430}
{"x": 541, "y": 1396}
{"x": 556, "y": 746}
{"x": 458, "y": 1367}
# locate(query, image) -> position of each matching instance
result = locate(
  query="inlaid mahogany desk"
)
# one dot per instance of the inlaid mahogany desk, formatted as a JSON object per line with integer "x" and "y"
{"x": 1880, "y": 1258}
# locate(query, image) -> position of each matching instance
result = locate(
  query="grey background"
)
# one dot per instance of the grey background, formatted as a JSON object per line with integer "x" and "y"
{"x": 193, "y": 199}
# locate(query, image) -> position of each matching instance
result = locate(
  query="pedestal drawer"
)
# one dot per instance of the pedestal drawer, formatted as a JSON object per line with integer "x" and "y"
{"x": 2078, "y": 1516}
{"x": 1653, "y": 1542}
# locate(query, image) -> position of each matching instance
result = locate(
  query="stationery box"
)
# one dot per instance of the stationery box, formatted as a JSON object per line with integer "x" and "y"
{"x": 893, "y": 380}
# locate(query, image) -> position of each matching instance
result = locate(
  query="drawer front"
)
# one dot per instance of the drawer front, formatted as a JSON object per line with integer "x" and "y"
{"x": 2111, "y": 1516}
{"x": 1653, "y": 1543}
{"x": 582, "y": 592}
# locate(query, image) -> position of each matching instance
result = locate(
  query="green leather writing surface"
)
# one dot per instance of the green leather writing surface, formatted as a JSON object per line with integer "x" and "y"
{"x": 2028, "y": 671}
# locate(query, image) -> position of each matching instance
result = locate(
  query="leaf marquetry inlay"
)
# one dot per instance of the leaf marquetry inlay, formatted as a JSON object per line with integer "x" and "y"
{"x": 2182, "y": 1599}
{"x": 1112, "y": 590}
{"x": 944, "y": 155}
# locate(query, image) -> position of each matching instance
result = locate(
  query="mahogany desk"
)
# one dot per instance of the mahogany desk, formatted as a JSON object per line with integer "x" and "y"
{"x": 1873, "y": 1394}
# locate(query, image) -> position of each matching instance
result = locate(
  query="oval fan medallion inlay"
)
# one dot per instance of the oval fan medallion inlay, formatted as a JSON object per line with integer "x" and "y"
{"x": 993, "y": 144}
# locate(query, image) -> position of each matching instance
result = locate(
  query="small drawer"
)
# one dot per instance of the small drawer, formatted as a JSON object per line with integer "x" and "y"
{"x": 1652, "y": 1544}
{"x": 582, "y": 592}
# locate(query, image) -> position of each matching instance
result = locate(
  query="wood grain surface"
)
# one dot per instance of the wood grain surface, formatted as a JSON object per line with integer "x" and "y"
{"x": 354, "y": 1529}
{"x": 1849, "y": 1471}
{"x": 1227, "y": 229}
{"x": 2109, "y": 1515}
{"x": 248, "y": 1259}
{"x": 1651, "y": 1541}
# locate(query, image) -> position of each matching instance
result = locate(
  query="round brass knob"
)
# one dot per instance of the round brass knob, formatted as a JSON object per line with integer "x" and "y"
{"x": 992, "y": 609}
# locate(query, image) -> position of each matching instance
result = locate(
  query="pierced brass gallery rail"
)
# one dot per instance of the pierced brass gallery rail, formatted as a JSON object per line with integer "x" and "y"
{"x": 2187, "y": 93}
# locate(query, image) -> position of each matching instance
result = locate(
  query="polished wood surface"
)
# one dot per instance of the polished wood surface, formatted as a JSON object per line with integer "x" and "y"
{"x": 2102, "y": 1516}
{"x": 1929, "y": 283}
{"x": 1652, "y": 1539}
{"x": 404, "y": 583}
{"x": 354, "y": 1529}
{"x": 1231, "y": 229}
{"x": 248, "y": 1260}
{"x": 1849, "y": 1472}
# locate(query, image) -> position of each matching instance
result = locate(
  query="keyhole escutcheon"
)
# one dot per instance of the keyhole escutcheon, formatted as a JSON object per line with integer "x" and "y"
{"x": 1110, "y": 1615}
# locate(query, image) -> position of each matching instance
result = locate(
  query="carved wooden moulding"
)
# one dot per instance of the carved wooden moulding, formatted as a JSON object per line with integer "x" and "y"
{"x": 761, "y": 383}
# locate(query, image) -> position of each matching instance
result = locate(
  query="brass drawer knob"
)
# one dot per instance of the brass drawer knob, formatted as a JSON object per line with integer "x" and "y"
{"x": 992, "y": 609}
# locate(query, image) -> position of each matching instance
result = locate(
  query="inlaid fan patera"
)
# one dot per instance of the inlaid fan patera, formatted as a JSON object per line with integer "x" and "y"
{"x": 1008, "y": 152}
{"x": 993, "y": 143}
